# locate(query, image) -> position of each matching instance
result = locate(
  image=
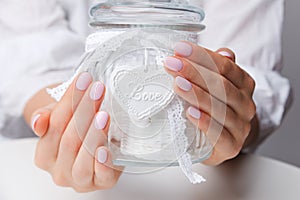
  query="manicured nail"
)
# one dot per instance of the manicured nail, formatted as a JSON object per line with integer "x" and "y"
{"x": 183, "y": 84}
{"x": 102, "y": 155}
{"x": 194, "y": 112}
{"x": 101, "y": 120}
{"x": 173, "y": 64}
{"x": 96, "y": 91}
{"x": 183, "y": 49}
{"x": 226, "y": 54}
{"x": 34, "y": 120}
{"x": 83, "y": 81}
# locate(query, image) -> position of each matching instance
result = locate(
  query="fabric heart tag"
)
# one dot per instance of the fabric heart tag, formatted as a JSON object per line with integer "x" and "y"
{"x": 142, "y": 92}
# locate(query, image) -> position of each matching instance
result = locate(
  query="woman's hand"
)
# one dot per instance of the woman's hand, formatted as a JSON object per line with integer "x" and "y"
{"x": 72, "y": 138}
{"x": 220, "y": 94}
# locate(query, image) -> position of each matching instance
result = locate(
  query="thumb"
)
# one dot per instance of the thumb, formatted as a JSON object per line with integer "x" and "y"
{"x": 40, "y": 120}
{"x": 227, "y": 53}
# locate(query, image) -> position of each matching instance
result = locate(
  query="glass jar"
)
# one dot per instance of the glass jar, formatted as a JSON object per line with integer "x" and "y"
{"x": 148, "y": 124}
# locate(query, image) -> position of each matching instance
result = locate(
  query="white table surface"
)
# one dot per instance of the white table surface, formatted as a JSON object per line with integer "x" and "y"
{"x": 247, "y": 177}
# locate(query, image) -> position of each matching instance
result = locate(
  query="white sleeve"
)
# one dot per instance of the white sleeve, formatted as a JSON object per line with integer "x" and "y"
{"x": 37, "y": 48}
{"x": 253, "y": 30}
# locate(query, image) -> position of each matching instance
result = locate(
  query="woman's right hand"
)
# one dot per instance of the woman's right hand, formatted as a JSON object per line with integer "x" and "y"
{"x": 72, "y": 138}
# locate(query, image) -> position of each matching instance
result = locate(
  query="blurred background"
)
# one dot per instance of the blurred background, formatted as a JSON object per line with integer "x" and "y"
{"x": 284, "y": 144}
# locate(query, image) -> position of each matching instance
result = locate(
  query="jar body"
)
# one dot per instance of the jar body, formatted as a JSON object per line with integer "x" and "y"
{"x": 148, "y": 124}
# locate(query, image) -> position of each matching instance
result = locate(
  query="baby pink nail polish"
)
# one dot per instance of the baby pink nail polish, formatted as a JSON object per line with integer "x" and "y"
{"x": 96, "y": 91}
{"x": 183, "y": 84}
{"x": 183, "y": 49}
{"x": 83, "y": 81}
{"x": 101, "y": 120}
{"x": 194, "y": 112}
{"x": 173, "y": 64}
{"x": 226, "y": 54}
{"x": 34, "y": 120}
{"x": 102, "y": 155}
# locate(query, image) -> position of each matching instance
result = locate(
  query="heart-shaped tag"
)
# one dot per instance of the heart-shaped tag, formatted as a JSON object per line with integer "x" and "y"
{"x": 142, "y": 93}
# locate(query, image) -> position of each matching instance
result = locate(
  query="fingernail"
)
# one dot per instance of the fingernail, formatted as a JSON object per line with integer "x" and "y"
{"x": 101, "y": 120}
{"x": 226, "y": 54}
{"x": 194, "y": 112}
{"x": 83, "y": 81}
{"x": 34, "y": 120}
{"x": 183, "y": 84}
{"x": 96, "y": 91}
{"x": 102, "y": 155}
{"x": 173, "y": 64}
{"x": 183, "y": 49}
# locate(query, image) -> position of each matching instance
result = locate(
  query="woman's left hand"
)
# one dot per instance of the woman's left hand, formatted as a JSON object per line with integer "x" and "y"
{"x": 220, "y": 94}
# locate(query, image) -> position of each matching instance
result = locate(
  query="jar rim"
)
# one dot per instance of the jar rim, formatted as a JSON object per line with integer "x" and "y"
{"x": 149, "y": 13}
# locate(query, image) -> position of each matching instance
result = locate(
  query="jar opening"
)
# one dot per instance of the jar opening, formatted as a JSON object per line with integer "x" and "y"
{"x": 171, "y": 14}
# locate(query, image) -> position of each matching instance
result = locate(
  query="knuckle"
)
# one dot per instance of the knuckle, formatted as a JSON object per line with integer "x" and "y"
{"x": 247, "y": 128}
{"x": 235, "y": 150}
{"x": 225, "y": 68}
{"x": 82, "y": 190}
{"x": 251, "y": 84}
{"x": 106, "y": 181}
{"x": 59, "y": 179}
{"x": 249, "y": 105}
{"x": 227, "y": 86}
{"x": 40, "y": 161}
{"x": 251, "y": 109}
{"x": 222, "y": 137}
{"x": 81, "y": 175}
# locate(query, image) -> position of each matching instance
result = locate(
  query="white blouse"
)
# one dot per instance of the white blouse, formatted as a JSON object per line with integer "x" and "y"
{"x": 41, "y": 42}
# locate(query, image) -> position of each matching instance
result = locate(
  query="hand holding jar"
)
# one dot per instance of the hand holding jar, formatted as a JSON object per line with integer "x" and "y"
{"x": 73, "y": 134}
{"x": 193, "y": 72}
{"x": 147, "y": 113}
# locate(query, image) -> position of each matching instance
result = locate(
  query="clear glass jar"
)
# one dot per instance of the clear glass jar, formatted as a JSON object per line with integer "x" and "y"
{"x": 127, "y": 51}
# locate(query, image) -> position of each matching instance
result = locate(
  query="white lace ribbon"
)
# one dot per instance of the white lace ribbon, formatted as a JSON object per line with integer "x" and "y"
{"x": 180, "y": 141}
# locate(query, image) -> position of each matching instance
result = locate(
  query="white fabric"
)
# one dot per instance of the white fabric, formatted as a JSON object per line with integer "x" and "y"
{"x": 253, "y": 30}
{"x": 42, "y": 40}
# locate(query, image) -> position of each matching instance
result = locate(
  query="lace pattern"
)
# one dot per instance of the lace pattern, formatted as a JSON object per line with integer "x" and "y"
{"x": 180, "y": 141}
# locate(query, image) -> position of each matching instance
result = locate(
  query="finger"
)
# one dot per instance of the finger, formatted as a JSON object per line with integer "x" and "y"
{"x": 200, "y": 99}
{"x": 77, "y": 128}
{"x": 214, "y": 62}
{"x": 227, "y": 53}
{"x": 40, "y": 122}
{"x": 106, "y": 175}
{"x": 211, "y": 82}
{"x": 224, "y": 144}
{"x": 83, "y": 168}
{"x": 48, "y": 145}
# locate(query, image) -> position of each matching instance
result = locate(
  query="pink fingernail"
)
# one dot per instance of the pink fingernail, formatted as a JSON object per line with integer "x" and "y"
{"x": 101, "y": 120}
{"x": 194, "y": 112}
{"x": 83, "y": 81}
{"x": 183, "y": 84}
{"x": 96, "y": 91}
{"x": 102, "y": 155}
{"x": 173, "y": 64}
{"x": 226, "y": 54}
{"x": 183, "y": 49}
{"x": 34, "y": 120}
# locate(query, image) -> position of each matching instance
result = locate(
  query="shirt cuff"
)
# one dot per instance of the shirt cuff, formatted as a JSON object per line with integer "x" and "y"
{"x": 272, "y": 96}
